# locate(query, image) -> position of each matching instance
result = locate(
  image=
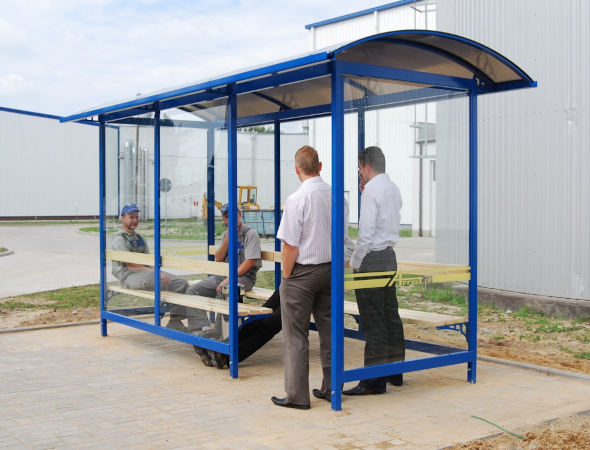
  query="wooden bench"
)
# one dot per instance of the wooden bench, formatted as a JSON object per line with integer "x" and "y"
{"x": 192, "y": 301}
{"x": 196, "y": 301}
{"x": 407, "y": 274}
{"x": 352, "y": 281}
{"x": 407, "y": 315}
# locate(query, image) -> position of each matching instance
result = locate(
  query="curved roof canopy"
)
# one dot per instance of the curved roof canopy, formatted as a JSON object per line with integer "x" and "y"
{"x": 420, "y": 61}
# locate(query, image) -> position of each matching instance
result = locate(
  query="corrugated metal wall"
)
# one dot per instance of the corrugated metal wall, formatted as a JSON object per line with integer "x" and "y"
{"x": 47, "y": 168}
{"x": 184, "y": 161}
{"x": 534, "y": 193}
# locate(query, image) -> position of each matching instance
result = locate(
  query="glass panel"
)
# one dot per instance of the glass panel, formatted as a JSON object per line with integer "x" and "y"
{"x": 192, "y": 151}
{"x": 129, "y": 190}
{"x": 410, "y": 224}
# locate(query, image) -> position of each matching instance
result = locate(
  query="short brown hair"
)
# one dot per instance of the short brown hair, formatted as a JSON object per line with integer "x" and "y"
{"x": 374, "y": 157}
{"x": 307, "y": 160}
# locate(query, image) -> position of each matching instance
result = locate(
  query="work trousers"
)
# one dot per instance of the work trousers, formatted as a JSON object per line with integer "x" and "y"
{"x": 145, "y": 280}
{"x": 382, "y": 325}
{"x": 306, "y": 291}
{"x": 198, "y": 318}
{"x": 254, "y": 335}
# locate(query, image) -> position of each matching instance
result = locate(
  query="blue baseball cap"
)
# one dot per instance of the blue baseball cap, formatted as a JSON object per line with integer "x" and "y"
{"x": 130, "y": 208}
{"x": 224, "y": 209}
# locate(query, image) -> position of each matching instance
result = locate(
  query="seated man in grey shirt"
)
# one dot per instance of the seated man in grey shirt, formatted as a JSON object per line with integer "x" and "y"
{"x": 138, "y": 276}
{"x": 249, "y": 262}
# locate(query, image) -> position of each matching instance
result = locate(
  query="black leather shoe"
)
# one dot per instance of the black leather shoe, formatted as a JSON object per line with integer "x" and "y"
{"x": 220, "y": 360}
{"x": 204, "y": 354}
{"x": 360, "y": 390}
{"x": 318, "y": 394}
{"x": 287, "y": 404}
{"x": 396, "y": 380}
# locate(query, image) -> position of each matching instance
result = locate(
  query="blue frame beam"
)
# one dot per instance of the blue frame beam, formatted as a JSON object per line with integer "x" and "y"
{"x": 337, "y": 235}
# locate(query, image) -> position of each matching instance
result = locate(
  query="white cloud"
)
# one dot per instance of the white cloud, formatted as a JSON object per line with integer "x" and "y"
{"x": 13, "y": 86}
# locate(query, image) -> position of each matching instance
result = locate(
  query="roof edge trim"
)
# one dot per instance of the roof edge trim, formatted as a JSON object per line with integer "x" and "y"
{"x": 359, "y": 13}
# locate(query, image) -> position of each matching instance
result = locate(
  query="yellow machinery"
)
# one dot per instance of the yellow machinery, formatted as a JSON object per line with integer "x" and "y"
{"x": 204, "y": 208}
{"x": 247, "y": 201}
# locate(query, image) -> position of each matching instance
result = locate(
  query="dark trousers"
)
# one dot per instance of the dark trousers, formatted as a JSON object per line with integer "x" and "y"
{"x": 308, "y": 290}
{"x": 253, "y": 336}
{"x": 380, "y": 318}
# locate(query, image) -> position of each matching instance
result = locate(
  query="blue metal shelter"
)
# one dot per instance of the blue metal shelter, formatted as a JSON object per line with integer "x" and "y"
{"x": 414, "y": 65}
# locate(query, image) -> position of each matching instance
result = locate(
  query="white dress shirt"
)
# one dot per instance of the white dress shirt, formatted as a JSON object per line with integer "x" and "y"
{"x": 307, "y": 222}
{"x": 380, "y": 218}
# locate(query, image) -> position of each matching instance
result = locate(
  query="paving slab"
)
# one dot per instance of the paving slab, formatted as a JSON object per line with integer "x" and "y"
{"x": 72, "y": 388}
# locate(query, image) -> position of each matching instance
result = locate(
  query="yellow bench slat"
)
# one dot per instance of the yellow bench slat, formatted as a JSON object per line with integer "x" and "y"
{"x": 196, "y": 301}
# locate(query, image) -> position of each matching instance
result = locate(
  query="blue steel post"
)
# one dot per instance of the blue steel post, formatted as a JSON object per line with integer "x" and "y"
{"x": 361, "y": 147}
{"x": 277, "y": 198}
{"x": 210, "y": 206}
{"x": 337, "y": 236}
{"x": 232, "y": 157}
{"x": 472, "y": 330}
{"x": 118, "y": 169}
{"x": 157, "y": 213}
{"x": 102, "y": 212}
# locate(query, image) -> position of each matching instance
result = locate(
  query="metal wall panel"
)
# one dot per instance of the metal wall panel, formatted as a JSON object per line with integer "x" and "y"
{"x": 47, "y": 168}
{"x": 398, "y": 18}
{"x": 534, "y": 193}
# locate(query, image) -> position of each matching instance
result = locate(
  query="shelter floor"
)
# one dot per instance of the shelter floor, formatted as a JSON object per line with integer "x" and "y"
{"x": 69, "y": 387}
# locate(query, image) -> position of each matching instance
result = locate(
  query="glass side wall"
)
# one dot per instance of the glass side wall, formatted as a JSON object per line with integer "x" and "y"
{"x": 130, "y": 216}
{"x": 409, "y": 221}
{"x": 193, "y": 152}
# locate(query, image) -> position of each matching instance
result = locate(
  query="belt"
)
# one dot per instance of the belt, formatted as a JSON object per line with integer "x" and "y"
{"x": 390, "y": 248}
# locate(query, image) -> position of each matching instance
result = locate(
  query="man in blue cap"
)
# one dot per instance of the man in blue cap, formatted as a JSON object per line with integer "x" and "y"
{"x": 139, "y": 276}
{"x": 249, "y": 262}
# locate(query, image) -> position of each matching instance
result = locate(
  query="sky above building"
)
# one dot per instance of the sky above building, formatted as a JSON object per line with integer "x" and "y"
{"x": 62, "y": 56}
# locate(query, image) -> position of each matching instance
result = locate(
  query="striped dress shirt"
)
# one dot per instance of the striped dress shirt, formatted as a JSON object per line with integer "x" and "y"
{"x": 307, "y": 222}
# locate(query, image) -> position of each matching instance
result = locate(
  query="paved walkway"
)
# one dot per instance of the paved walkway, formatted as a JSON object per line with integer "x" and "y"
{"x": 71, "y": 388}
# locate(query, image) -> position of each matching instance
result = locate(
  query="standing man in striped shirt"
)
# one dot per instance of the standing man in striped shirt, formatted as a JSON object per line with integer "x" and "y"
{"x": 306, "y": 232}
{"x": 379, "y": 225}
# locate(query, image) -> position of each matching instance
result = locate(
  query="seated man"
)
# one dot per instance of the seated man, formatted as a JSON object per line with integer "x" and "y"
{"x": 249, "y": 262}
{"x": 138, "y": 276}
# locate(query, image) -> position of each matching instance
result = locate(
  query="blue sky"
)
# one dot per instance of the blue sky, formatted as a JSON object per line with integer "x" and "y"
{"x": 62, "y": 56}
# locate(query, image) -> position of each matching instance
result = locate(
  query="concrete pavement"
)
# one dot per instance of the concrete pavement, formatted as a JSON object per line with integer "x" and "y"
{"x": 71, "y": 388}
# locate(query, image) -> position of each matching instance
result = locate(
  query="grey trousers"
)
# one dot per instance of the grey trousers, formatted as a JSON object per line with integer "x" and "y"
{"x": 308, "y": 290}
{"x": 145, "y": 280}
{"x": 197, "y": 318}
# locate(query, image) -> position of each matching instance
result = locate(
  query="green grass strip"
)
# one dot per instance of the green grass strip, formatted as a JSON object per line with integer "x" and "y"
{"x": 499, "y": 427}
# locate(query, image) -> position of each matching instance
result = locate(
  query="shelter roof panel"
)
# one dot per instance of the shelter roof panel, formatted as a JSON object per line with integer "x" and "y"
{"x": 301, "y": 82}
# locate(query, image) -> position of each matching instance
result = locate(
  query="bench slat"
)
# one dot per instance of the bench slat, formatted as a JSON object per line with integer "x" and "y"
{"x": 196, "y": 301}
{"x": 407, "y": 315}
{"x": 172, "y": 262}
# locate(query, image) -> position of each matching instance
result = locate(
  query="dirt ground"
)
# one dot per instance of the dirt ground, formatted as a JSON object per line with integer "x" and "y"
{"x": 566, "y": 433}
{"x": 500, "y": 334}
